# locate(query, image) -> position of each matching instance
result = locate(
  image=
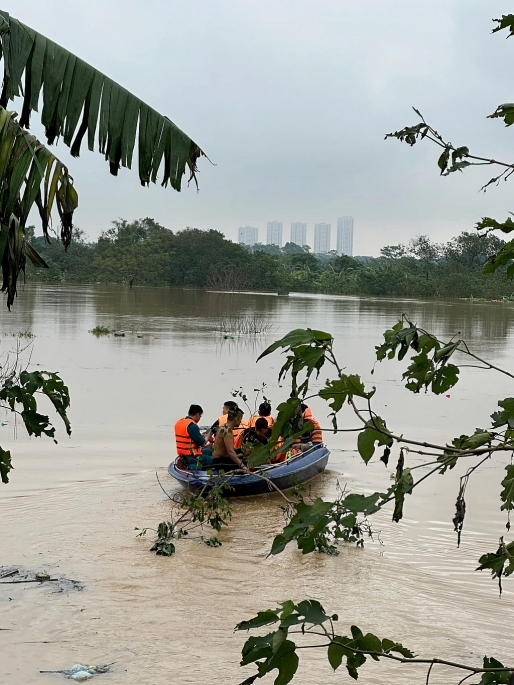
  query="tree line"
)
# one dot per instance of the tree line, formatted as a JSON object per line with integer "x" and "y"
{"x": 143, "y": 252}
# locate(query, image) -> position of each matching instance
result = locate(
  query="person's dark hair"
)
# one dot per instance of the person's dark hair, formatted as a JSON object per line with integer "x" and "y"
{"x": 234, "y": 411}
{"x": 230, "y": 404}
{"x": 194, "y": 409}
{"x": 304, "y": 407}
{"x": 265, "y": 409}
{"x": 261, "y": 424}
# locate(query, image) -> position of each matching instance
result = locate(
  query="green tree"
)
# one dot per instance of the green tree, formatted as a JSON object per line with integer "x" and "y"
{"x": 472, "y": 250}
{"x": 292, "y": 248}
{"x": 136, "y": 251}
{"x": 393, "y": 251}
{"x": 75, "y": 265}
{"x": 426, "y": 253}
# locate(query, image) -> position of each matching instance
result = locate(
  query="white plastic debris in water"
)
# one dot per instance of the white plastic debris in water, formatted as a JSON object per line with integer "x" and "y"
{"x": 76, "y": 668}
{"x": 80, "y": 672}
{"x": 82, "y": 675}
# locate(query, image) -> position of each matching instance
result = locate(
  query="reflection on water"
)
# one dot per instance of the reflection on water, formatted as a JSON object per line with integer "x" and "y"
{"x": 73, "y": 506}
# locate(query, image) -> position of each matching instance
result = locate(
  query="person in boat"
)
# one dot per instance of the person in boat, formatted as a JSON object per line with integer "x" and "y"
{"x": 224, "y": 452}
{"x": 192, "y": 446}
{"x": 264, "y": 413}
{"x": 258, "y": 434}
{"x": 222, "y": 420}
{"x": 310, "y": 437}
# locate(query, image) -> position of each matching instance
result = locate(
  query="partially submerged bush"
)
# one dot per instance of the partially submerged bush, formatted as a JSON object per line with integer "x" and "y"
{"x": 100, "y": 330}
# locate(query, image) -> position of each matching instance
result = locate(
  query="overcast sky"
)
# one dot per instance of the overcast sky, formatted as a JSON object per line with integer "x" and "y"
{"x": 291, "y": 100}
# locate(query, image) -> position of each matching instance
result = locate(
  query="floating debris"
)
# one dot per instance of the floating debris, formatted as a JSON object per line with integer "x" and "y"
{"x": 19, "y": 576}
{"x": 80, "y": 673}
{"x": 42, "y": 576}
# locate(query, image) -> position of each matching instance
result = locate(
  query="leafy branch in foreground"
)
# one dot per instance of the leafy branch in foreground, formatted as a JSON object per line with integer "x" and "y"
{"x": 430, "y": 369}
{"x": 191, "y": 513}
{"x": 71, "y": 88}
{"x": 77, "y": 99}
{"x": 19, "y": 390}
{"x": 278, "y": 650}
{"x": 317, "y": 525}
{"x": 307, "y": 351}
{"x": 29, "y": 174}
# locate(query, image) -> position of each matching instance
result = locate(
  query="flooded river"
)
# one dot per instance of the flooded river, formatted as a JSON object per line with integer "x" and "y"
{"x": 71, "y": 508}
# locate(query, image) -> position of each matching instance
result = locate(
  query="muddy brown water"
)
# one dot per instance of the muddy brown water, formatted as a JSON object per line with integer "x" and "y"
{"x": 71, "y": 508}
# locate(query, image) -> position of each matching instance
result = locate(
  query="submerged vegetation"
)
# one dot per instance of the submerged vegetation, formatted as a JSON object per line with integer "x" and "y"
{"x": 100, "y": 330}
{"x": 143, "y": 252}
{"x": 244, "y": 325}
{"x": 194, "y": 516}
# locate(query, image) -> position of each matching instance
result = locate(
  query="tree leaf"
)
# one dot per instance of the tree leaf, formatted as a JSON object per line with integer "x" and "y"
{"x": 370, "y": 435}
{"x": 445, "y": 378}
{"x": 335, "y": 653}
{"x": 507, "y": 494}
{"x": 506, "y": 416}
{"x": 5, "y": 465}
{"x": 299, "y": 336}
{"x": 263, "y": 618}
{"x": 366, "y": 505}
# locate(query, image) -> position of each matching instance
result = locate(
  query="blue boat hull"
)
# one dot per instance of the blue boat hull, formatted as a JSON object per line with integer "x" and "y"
{"x": 286, "y": 475}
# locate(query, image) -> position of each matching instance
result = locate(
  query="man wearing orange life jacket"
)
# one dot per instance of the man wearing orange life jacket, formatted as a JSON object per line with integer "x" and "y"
{"x": 192, "y": 446}
{"x": 314, "y": 436}
{"x": 264, "y": 413}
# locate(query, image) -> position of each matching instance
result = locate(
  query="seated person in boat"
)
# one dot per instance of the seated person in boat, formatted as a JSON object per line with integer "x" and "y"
{"x": 310, "y": 437}
{"x": 224, "y": 453}
{"x": 252, "y": 436}
{"x": 192, "y": 446}
{"x": 264, "y": 413}
{"x": 222, "y": 420}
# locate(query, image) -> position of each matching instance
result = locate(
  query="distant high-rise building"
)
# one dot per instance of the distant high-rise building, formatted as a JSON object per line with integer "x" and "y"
{"x": 274, "y": 236}
{"x": 321, "y": 238}
{"x": 248, "y": 235}
{"x": 345, "y": 235}
{"x": 299, "y": 233}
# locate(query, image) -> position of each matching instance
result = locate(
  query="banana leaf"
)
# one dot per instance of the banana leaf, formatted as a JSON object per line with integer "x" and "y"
{"x": 34, "y": 64}
{"x": 29, "y": 174}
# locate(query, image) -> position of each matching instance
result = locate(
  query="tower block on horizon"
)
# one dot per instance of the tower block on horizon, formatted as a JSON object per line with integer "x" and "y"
{"x": 345, "y": 235}
{"x": 321, "y": 238}
{"x": 274, "y": 235}
{"x": 299, "y": 233}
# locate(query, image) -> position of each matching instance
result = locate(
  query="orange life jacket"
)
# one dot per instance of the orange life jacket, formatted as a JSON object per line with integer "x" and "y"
{"x": 238, "y": 439}
{"x": 253, "y": 419}
{"x": 185, "y": 445}
{"x": 316, "y": 434}
{"x": 281, "y": 456}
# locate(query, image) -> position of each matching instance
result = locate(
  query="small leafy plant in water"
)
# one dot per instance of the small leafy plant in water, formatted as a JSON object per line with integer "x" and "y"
{"x": 190, "y": 514}
{"x": 100, "y": 330}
